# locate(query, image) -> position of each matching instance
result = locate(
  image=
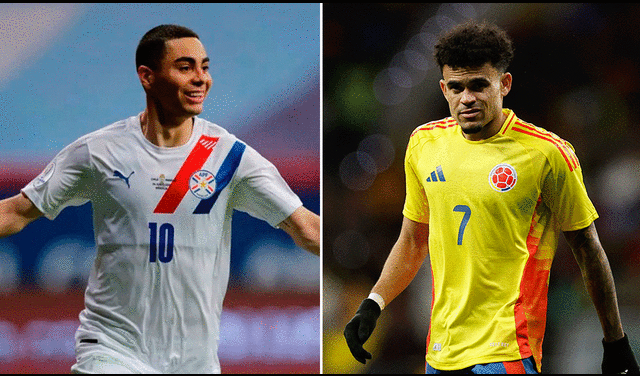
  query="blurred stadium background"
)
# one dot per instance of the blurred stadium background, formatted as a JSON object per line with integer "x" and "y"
{"x": 68, "y": 69}
{"x": 575, "y": 73}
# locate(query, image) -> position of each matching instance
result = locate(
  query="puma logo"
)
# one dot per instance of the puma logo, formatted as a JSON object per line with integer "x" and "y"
{"x": 118, "y": 174}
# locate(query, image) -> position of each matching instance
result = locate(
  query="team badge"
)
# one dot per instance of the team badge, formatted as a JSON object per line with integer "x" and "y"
{"x": 202, "y": 184}
{"x": 45, "y": 175}
{"x": 503, "y": 177}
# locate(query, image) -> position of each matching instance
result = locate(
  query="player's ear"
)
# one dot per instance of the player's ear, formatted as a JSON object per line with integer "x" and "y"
{"x": 146, "y": 76}
{"x": 505, "y": 83}
{"x": 442, "y": 86}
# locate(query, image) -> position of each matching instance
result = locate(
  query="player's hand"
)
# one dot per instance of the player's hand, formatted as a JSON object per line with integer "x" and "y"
{"x": 360, "y": 327}
{"x": 618, "y": 357}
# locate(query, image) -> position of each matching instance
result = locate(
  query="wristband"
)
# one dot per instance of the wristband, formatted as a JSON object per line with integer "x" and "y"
{"x": 378, "y": 299}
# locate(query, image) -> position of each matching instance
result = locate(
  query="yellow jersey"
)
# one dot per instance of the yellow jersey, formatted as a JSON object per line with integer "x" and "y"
{"x": 495, "y": 209}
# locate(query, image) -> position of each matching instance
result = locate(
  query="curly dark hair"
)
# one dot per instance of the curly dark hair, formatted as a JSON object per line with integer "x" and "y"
{"x": 150, "y": 50}
{"x": 472, "y": 44}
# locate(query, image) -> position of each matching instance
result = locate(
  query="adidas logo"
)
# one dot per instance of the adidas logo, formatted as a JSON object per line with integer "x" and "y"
{"x": 436, "y": 175}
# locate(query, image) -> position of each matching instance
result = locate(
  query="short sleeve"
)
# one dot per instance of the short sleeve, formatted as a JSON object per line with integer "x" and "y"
{"x": 261, "y": 191}
{"x": 564, "y": 191}
{"x": 64, "y": 182}
{"x": 416, "y": 205}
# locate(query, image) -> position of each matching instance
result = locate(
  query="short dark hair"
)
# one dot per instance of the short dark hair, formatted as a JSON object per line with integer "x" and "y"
{"x": 472, "y": 44}
{"x": 151, "y": 48}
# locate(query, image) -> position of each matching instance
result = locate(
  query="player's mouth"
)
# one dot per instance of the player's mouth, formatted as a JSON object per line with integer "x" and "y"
{"x": 470, "y": 113}
{"x": 195, "y": 96}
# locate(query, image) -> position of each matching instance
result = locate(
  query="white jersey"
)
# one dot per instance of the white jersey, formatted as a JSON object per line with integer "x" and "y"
{"x": 162, "y": 223}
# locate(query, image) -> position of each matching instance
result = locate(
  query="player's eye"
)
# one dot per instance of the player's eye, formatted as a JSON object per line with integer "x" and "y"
{"x": 478, "y": 87}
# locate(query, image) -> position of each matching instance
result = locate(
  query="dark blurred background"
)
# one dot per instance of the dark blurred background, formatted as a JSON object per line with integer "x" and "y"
{"x": 575, "y": 72}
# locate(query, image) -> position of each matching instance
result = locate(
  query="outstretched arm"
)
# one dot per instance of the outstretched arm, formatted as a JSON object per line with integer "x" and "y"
{"x": 598, "y": 278}
{"x": 304, "y": 227}
{"x": 15, "y": 213}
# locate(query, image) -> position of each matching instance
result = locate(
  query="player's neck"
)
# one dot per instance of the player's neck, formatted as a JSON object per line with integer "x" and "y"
{"x": 165, "y": 132}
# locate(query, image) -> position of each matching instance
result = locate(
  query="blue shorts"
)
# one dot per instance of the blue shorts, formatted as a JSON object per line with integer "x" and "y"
{"x": 522, "y": 366}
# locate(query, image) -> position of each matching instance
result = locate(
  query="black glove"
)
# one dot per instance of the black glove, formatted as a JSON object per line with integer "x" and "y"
{"x": 618, "y": 357}
{"x": 360, "y": 327}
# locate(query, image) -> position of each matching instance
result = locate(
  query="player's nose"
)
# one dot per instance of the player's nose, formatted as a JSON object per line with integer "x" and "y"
{"x": 467, "y": 97}
{"x": 201, "y": 77}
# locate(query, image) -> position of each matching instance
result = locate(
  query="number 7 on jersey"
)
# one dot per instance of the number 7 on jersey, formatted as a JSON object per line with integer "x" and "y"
{"x": 465, "y": 219}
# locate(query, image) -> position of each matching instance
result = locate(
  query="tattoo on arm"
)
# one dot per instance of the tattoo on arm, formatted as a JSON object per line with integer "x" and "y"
{"x": 598, "y": 279}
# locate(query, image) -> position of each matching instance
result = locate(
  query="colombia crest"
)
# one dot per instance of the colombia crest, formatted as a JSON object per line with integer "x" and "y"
{"x": 503, "y": 177}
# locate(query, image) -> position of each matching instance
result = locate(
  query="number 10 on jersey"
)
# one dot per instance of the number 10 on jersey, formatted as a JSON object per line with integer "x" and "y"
{"x": 160, "y": 245}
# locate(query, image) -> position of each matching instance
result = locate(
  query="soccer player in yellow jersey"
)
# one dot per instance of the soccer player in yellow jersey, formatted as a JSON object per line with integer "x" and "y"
{"x": 487, "y": 196}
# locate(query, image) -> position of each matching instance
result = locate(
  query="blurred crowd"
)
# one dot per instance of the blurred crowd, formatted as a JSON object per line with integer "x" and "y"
{"x": 576, "y": 73}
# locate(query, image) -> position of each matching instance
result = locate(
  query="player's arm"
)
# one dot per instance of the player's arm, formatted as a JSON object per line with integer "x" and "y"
{"x": 16, "y": 213}
{"x": 303, "y": 226}
{"x": 598, "y": 279}
{"x": 402, "y": 265}
{"x": 404, "y": 261}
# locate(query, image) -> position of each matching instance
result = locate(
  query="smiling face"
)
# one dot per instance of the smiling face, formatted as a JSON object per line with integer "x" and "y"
{"x": 475, "y": 98}
{"x": 182, "y": 81}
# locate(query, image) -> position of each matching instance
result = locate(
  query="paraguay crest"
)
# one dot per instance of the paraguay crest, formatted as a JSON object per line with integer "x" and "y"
{"x": 503, "y": 177}
{"x": 202, "y": 184}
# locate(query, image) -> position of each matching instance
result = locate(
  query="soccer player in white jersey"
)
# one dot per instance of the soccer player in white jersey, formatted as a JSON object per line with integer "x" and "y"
{"x": 163, "y": 185}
